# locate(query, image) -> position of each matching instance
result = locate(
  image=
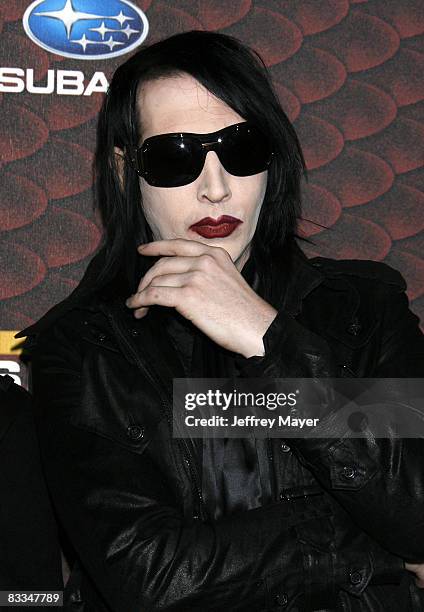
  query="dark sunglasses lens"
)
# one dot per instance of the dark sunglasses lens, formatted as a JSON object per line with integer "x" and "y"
{"x": 245, "y": 151}
{"x": 171, "y": 161}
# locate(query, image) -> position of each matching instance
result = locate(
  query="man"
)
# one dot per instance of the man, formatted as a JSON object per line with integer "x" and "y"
{"x": 197, "y": 161}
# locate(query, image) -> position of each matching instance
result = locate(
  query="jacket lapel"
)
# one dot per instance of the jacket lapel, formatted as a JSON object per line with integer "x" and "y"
{"x": 151, "y": 343}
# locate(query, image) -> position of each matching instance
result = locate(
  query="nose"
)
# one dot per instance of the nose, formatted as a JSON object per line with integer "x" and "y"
{"x": 213, "y": 184}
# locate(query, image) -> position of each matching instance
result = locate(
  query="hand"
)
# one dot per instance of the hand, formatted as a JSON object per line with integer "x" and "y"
{"x": 202, "y": 283}
{"x": 418, "y": 570}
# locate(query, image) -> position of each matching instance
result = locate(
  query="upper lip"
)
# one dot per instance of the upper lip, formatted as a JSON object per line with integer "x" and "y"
{"x": 221, "y": 219}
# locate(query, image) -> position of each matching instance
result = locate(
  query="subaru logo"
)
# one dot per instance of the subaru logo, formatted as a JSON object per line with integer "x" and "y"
{"x": 86, "y": 29}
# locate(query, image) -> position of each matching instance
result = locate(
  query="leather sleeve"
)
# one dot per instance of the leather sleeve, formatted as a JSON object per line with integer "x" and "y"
{"x": 131, "y": 538}
{"x": 378, "y": 480}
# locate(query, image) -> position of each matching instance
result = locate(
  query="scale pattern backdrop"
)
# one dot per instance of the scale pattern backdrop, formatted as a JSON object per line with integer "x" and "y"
{"x": 349, "y": 75}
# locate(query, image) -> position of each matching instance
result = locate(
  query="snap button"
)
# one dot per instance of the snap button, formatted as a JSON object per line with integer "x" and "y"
{"x": 281, "y": 599}
{"x": 355, "y": 577}
{"x": 285, "y": 448}
{"x": 75, "y": 596}
{"x": 135, "y": 332}
{"x": 354, "y": 328}
{"x": 258, "y": 584}
{"x": 101, "y": 337}
{"x": 135, "y": 432}
{"x": 347, "y": 371}
{"x": 348, "y": 472}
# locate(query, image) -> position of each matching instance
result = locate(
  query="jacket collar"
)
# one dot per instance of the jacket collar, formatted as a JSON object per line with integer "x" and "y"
{"x": 302, "y": 279}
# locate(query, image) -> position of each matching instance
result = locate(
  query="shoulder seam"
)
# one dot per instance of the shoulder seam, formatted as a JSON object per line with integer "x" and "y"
{"x": 364, "y": 268}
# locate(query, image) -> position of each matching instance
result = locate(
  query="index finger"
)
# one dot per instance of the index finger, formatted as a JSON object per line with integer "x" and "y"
{"x": 177, "y": 246}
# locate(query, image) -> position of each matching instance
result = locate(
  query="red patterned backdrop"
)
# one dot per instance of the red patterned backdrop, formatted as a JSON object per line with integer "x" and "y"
{"x": 349, "y": 75}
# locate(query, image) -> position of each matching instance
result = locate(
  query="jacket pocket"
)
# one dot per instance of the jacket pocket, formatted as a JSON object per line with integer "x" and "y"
{"x": 115, "y": 404}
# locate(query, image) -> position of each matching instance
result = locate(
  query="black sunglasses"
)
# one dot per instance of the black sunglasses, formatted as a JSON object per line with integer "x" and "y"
{"x": 173, "y": 160}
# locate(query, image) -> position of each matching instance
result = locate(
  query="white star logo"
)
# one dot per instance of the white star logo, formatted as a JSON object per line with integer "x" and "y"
{"x": 84, "y": 42}
{"x": 122, "y": 18}
{"x": 102, "y": 30}
{"x": 111, "y": 43}
{"x": 68, "y": 16}
{"x": 128, "y": 31}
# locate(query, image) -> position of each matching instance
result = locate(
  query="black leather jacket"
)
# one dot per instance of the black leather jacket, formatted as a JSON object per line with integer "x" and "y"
{"x": 127, "y": 493}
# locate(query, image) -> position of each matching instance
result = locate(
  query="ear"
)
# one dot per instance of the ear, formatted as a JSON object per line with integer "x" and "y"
{"x": 120, "y": 162}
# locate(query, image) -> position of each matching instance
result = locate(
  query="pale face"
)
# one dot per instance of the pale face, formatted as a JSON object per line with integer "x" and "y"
{"x": 182, "y": 104}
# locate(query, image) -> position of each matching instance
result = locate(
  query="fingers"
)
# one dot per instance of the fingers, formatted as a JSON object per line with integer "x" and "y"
{"x": 152, "y": 294}
{"x": 180, "y": 255}
{"x": 182, "y": 269}
{"x": 161, "y": 295}
{"x": 141, "y": 312}
{"x": 418, "y": 570}
{"x": 180, "y": 246}
{"x": 166, "y": 266}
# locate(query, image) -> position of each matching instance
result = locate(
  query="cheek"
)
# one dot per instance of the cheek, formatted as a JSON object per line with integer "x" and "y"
{"x": 152, "y": 208}
{"x": 254, "y": 192}
{"x": 254, "y": 195}
{"x": 161, "y": 209}
{"x": 262, "y": 185}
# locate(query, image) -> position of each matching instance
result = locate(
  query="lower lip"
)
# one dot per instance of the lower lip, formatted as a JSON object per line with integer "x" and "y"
{"x": 215, "y": 231}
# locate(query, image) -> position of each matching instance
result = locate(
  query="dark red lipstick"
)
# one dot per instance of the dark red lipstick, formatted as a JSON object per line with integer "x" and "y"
{"x": 216, "y": 228}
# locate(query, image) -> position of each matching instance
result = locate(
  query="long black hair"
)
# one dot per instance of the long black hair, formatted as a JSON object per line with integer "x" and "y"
{"x": 238, "y": 76}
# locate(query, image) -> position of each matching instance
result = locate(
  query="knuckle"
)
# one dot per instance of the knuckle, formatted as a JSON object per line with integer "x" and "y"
{"x": 143, "y": 283}
{"x": 159, "y": 264}
{"x": 206, "y": 261}
{"x": 152, "y": 292}
{"x": 195, "y": 276}
{"x": 187, "y": 292}
{"x": 176, "y": 242}
{"x": 150, "y": 274}
{"x": 152, "y": 271}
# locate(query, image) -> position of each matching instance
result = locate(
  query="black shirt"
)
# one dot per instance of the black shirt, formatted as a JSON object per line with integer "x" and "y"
{"x": 235, "y": 471}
